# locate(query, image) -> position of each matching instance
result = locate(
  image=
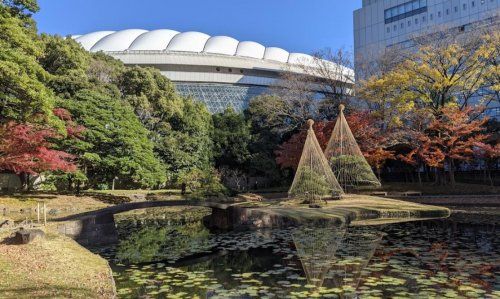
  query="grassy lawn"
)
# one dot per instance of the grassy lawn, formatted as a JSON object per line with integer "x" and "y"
{"x": 56, "y": 267}
{"x": 23, "y": 207}
{"x": 431, "y": 189}
{"x": 356, "y": 208}
{"x": 139, "y": 192}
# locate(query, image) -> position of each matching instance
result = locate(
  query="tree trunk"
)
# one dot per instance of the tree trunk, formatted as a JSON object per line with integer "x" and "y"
{"x": 419, "y": 177}
{"x": 70, "y": 182}
{"x": 427, "y": 173}
{"x": 488, "y": 171}
{"x": 23, "y": 177}
{"x": 451, "y": 170}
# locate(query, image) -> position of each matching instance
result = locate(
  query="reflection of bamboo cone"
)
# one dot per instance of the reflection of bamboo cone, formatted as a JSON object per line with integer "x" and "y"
{"x": 353, "y": 256}
{"x": 316, "y": 250}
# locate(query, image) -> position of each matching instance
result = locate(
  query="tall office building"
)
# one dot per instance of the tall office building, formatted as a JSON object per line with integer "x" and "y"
{"x": 383, "y": 24}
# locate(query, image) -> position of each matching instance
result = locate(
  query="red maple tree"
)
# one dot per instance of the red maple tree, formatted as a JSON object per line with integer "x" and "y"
{"x": 288, "y": 154}
{"x": 72, "y": 128}
{"x": 26, "y": 149}
{"x": 452, "y": 136}
{"x": 490, "y": 154}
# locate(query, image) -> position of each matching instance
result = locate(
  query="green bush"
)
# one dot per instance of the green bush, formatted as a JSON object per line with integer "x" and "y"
{"x": 312, "y": 187}
{"x": 352, "y": 170}
{"x": 202, "y": 183}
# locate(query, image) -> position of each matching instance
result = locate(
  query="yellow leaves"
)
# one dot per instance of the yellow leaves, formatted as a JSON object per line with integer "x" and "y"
{"x": 434, "y": 76}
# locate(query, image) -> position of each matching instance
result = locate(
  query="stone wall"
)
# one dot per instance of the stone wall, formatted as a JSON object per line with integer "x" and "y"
{"x": 9, "y": 182}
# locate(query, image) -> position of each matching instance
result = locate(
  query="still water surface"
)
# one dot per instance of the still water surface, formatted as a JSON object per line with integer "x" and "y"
{"x": 169, "y": 254}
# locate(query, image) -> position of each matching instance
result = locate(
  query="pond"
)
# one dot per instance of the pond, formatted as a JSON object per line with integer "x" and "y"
{"x": 167, "y": 253}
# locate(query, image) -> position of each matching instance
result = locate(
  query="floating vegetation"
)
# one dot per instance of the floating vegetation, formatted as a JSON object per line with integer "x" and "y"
{"x": 418, "y": 259}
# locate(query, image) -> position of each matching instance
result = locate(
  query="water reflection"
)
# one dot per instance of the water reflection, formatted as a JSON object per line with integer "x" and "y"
{"x": 336, "y": 255}
{"x": 424, "y": 259}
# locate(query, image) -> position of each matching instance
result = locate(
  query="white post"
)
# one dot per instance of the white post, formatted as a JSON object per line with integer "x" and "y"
{"x": 38, "y": 212}
{"x": 44, "y": 213}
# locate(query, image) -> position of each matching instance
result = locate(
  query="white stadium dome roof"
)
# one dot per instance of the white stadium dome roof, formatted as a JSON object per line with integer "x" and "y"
{"x": 174, "y": 41}
{"x": 217, "y": 70}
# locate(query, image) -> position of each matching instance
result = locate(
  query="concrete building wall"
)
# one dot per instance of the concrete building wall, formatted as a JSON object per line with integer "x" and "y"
{"x": 374, "y": 31}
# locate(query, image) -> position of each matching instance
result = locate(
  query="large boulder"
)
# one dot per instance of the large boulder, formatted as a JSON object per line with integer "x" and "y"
{"x": 26, "y": 236}
{"x": 6, "y": 223}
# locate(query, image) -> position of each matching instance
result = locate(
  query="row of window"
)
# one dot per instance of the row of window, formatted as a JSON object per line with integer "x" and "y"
{"x": 486, "y": 23}
{"x": 431, "y": 16}
{"x": 405, "y": 10}
{"x": 230, "y": 70}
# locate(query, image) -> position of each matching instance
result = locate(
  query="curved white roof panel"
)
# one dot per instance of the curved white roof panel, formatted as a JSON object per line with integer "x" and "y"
{"x": 300, "y": 58}
{"x": 90, "y": 39}
{"x": 250, "y": 49}
{"x": 276, "y": 54}
{"x": 167, "y": 42}
{"x": 221, "y": 45}
{"x": 156, "y": 40}
{"x": 118, "y": 41}
{"x": 191, "y": 41}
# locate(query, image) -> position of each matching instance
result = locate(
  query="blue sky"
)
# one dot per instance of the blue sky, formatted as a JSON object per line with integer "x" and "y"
{"x": 295, "y": 25}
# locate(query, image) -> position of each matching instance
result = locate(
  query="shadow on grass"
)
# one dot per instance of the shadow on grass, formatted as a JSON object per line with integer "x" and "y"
{"x": 49, "y": 291}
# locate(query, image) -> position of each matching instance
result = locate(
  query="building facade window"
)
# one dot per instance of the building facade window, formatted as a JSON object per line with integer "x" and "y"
{"x": 405, "y": 10}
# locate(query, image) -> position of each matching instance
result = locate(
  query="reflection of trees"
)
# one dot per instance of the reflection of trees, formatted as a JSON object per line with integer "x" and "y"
{"x": 335, "y": 255}
{"x": 161, "y": 243}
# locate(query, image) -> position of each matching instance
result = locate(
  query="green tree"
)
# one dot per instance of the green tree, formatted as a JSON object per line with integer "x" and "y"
{"x": 231, "y": 139}
{"x": 22, "y": 10}
{"x": 153, "y": 97}
{"x": 188, "y": 144}
{"x": 180, "y": 128}
{"x": 23, "y": 94}
{"x": 267, "y": 135}
{"x": 68, "y": 64}
{"x": 115, "y": 144}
